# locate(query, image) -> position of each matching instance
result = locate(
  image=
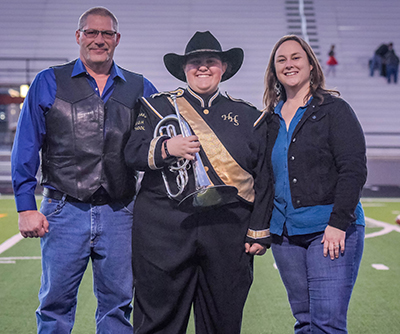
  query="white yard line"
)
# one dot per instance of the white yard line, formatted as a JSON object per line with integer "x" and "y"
{"x": 386, "y": 228}
{"x": 12, "y": 260}
{"x": 10, "y": 242}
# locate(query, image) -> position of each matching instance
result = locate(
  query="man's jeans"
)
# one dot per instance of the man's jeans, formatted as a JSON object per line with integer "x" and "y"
{"x": 318, "y": 288}
{"x": 392, "y": 70}
{"x": 79, "y": 232}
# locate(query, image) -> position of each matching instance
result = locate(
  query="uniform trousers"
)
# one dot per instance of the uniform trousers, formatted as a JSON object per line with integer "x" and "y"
{"x": 182, "y": 260}
{"x": 77, "y": 233}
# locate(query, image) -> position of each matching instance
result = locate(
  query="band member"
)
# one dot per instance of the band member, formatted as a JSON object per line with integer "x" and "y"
{"x": 198, "y": 254}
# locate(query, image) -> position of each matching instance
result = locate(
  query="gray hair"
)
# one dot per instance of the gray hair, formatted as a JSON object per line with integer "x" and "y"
{"x": 102, "y": 11}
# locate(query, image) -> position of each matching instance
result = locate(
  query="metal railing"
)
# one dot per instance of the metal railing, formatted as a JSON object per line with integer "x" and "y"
{"x": 27, "y": 67}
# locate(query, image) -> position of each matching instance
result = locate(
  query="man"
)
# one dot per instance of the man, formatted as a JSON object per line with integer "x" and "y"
{"x": 80, "y": 116}
{"x": 392, "y": 64}
{"x": 377, "y": 60}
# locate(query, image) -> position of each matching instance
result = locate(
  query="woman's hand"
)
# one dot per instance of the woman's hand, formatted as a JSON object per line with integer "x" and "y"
{"x": 334, "y": 242}
{"x": 182, "y": 147}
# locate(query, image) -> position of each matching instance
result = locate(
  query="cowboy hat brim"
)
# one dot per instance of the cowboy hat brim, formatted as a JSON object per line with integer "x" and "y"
{"x": 233, "y": 57}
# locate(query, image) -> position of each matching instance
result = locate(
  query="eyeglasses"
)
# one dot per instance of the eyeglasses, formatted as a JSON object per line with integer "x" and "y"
{"x": 93, "y": 33}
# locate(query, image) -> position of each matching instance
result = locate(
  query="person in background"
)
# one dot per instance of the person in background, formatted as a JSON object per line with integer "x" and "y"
{"x": 317, "y": 149}
{"x": 198, "y": 255}
{"x": 80, "y": 115}
{"x": 377, "y": 61}
{"x": 332, "y": 62}
{"x": 392, "y": 64}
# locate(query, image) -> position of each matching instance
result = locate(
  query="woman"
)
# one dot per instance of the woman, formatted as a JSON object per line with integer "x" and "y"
{"x": 200, "y": 254}
{"x": 331, "y": 62}
{"x": 318, "y": 159}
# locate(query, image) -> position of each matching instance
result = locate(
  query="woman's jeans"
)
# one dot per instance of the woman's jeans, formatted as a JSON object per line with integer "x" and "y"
{"x": 318, "y": 288}
{"x": 79, "y": 232}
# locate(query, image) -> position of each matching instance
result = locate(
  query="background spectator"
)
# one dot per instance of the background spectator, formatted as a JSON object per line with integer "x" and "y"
{"x": 392, "y": 64}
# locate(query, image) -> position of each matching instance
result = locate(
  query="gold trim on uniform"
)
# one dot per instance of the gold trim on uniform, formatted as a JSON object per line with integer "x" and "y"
{"x": 260, "y": 118}
{"x": 212, "y": 98}
{"x": 230, "y": 172}
{"x": 178, "y": 92}
{"x": 239, "y": 100}
{"x": 258, "y": 234}
{"x": 152, "y": 108}
{"x": 151, "y": 154}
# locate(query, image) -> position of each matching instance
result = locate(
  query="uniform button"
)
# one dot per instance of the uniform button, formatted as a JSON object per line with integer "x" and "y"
{"x": 294, "y": 180}
{"x": 293, "y": 140}
{"x": 314, "y": 117}
{"x": 292, "y": 157}
{"x": 206, "y": 111}
{"x": 206, "y": 168}
{"x": 298, "y": 201}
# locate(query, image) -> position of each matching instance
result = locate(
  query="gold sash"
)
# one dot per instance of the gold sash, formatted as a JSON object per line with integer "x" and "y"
{"x": 229, "y": 171}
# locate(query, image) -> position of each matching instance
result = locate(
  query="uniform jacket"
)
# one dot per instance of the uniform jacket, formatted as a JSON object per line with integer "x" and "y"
{"x": 236, "y": 125}
{"x": 326, "y": 158}
{"x": 83, "y": 148}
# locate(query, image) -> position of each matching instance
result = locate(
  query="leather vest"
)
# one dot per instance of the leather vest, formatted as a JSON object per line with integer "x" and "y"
{"x": 85, "y": 138}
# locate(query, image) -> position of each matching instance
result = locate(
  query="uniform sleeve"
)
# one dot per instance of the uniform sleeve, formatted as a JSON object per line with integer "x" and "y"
{"x": 143, "y": 149}
{"x": 258, "y": 231}
{"x": 31, "y": 130}
{"x": 349, "y": 151}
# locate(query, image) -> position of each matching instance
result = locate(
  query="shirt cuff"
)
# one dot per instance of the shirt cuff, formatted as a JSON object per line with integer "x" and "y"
{"x": 25, "y": 202}
{"x": 261, "y": 237}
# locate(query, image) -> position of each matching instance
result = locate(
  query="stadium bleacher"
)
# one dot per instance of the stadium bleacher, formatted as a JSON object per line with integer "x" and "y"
{"x": 41, "y": 28}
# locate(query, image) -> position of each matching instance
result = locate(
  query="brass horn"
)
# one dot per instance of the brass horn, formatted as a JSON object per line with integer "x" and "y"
{"x": 206, "y": 195}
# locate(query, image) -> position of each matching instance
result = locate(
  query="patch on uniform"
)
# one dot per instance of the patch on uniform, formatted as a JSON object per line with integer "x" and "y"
{"x": 239, "y": 100}
{"x": 178, "y": 92}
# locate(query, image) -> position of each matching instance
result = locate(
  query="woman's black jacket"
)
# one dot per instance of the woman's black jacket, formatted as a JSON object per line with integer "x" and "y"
{"x": 326, "y": 158}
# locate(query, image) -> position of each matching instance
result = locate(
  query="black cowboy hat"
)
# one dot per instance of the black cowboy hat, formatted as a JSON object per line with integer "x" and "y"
{"x": 204, "y": 42}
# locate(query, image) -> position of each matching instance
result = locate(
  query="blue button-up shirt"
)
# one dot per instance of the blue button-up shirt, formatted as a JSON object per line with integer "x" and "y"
{"x": 303, "y": 220}
{"x": 31, "y": 128}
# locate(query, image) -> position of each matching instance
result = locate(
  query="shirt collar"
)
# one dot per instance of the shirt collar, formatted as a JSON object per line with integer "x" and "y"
{"x": 278, "y": 107}
{"x": 79, "y": 68}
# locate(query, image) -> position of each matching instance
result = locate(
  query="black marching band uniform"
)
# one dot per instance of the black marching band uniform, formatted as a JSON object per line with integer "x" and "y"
{"x": 180, "y": 256}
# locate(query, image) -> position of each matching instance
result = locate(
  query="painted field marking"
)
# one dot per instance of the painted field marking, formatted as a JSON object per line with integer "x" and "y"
{"x": 12, "y": 260}
{"x": 379, "y": 266}
{"x": 386, "y": 227}
{"x": 10, "y": 242}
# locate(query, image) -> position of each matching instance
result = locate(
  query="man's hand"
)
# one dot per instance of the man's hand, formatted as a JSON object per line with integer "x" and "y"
{"x": 32, "y": 224}
{"x": 255, "y": 249}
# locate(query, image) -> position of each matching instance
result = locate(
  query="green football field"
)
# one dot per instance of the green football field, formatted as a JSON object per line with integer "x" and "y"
{"x": 374, "y": 307}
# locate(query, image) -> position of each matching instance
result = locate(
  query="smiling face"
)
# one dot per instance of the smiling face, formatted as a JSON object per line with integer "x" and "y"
{"x": 292, "y": 67}
{"x": 99, "y": 51}
{"x": 204, "y": 72}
